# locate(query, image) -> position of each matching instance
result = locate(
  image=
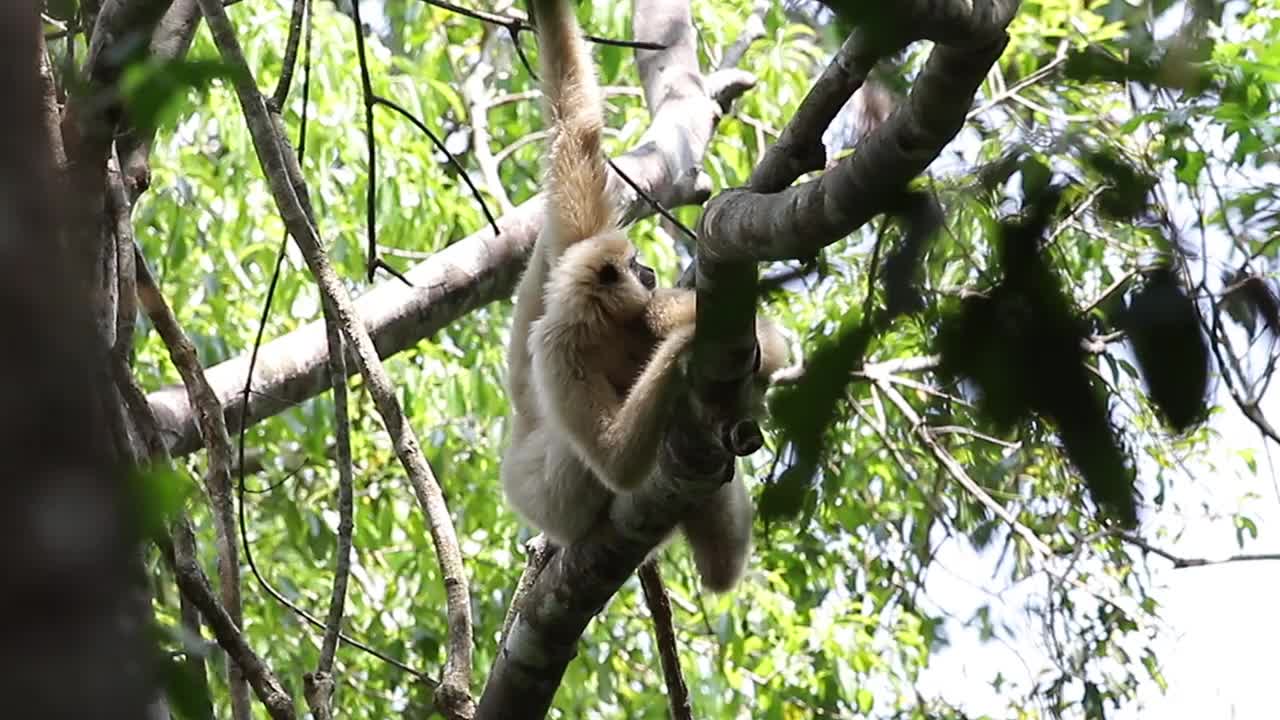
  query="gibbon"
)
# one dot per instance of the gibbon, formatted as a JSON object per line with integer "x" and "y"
{"x": 593, "y": 360}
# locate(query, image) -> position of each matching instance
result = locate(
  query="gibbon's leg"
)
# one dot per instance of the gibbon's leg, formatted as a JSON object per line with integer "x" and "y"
{"x": 551, "y": 489}
{"x": 618, "y": 441}
{"x": 529, "y": 307}
{"x": 719, "y": 534}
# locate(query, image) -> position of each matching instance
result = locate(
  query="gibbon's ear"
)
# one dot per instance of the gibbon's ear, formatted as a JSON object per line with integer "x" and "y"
{"x": 607, "y": 274}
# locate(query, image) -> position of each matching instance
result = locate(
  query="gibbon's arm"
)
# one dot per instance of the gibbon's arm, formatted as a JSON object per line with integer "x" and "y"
{"x": 670, "y": 309}
{"x": 618, "y": 440}
{"x": 674, "y": 308}
{"x": 577, "y": 207}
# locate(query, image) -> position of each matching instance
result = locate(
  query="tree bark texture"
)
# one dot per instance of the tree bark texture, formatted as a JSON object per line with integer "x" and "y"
{"x": 74, "y": 640}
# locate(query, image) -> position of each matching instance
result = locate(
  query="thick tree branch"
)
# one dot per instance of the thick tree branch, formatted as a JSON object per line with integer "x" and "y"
{"x": 452, "y": 695}
{"x": 469, "y": 274}
{"x": 74, "y": 645}
{"x": 764, "y": 221}
{"x": 958, "y": 23}
{"x": 93, "y": 114}
{"x": 725, "y": 346}
{"x": 122, "y": 33}
{"x": 746, "y": 225}
{"x": 170, "y": 41}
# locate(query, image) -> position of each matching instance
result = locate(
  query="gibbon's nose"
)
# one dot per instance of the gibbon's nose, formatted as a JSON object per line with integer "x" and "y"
{"x": 647, "y": 277}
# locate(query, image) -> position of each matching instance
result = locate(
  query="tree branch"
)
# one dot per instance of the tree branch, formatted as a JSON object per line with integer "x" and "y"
{"x": 742, "y": 227}
{"x": 195, "y": 587}
{"x": 218, "y": 476}
{"x": 93, "y": 115}
{"x": 750, "y": 225}
{"x": 74, "y": 644}
{"x": 452, "y": 695}
{"x": 655, "y": 596}
{"x": 319, "y": 685}
{"x": 1180, "y": 562}
{"x": 170, "y": 41}
{"x": 469, "y": 274}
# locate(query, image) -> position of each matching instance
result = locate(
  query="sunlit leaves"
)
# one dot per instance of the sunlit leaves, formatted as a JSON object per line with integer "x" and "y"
{"x": 834, "y": 619}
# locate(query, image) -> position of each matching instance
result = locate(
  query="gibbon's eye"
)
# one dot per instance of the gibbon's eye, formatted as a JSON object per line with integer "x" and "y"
{"x": 644, "y": 274}
{"x": 608, "y": 274}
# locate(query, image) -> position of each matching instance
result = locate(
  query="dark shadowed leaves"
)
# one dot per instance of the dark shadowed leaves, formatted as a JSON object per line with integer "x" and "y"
{"x": 1128, "y": 189}
{"x": 1164, "y": 330}
{"x": 1177, "y": 68}
{"x": 186, "y": 689}
{"x": 1020, "y": 347}
{"x": 1249, "y": 298}
{"x": 158, "y": 495}
{"x": 804, "y": 410}
{"x": 784, "y": 498}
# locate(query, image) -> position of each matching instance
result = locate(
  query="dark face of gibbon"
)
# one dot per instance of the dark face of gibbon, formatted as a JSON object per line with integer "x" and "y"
{"x": 610, "y": 274}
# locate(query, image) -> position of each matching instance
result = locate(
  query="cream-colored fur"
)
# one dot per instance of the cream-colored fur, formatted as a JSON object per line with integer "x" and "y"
{"x": 594, "y": 350}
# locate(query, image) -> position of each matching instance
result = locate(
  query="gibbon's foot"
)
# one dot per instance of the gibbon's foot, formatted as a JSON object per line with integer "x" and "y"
{"x": 743, "y": 437}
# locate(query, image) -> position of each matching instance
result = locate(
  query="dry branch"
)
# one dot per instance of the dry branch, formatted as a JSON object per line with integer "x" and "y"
{"x": 218, "y": 443}
{"x": 655, "y": 597}
{"x": 195, "y": 587}
{"x": 276, "y": 157}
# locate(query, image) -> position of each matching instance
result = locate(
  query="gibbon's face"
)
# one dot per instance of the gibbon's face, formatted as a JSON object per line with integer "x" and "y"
{"x": 624, "y": 285}
{"x": 603, "y": 274}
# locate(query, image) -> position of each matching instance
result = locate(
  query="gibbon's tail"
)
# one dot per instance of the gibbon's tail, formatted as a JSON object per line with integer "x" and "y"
{"x": 576, "y": 169}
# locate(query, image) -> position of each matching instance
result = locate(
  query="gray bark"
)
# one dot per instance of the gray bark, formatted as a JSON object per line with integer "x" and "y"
{"x": 74, "y": 642}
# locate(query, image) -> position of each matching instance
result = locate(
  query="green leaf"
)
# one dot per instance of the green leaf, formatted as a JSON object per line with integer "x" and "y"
{"x": 153, "y": 91}
{"x": 159, "y": 493}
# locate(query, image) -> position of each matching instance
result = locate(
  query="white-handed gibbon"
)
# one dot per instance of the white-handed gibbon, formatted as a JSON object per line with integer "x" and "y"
{"x": 593, "y": 359}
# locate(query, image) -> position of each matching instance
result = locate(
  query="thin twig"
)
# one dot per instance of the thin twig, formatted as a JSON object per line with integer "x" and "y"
{"x": 653, "y": 202}
{"x": 462, "y": 171}
{"x": 655, "y": 597}
{"x": 301, "y": 9}
{"x": 958, "y": 473}
{"x": 517, "y": 25}
{"x": 319, "y": 685}
{"x": 346, "y": 492}
{"x": 475, "y": 89}
{"x": 242, "y": 465}
{"x": 1180, "y": 562}
{"x": 371, "y": 185}
{"x": 538, "y": 551}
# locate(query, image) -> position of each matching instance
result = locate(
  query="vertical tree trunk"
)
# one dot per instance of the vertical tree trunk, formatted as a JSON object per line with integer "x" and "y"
{"x": 73, "y": 644}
